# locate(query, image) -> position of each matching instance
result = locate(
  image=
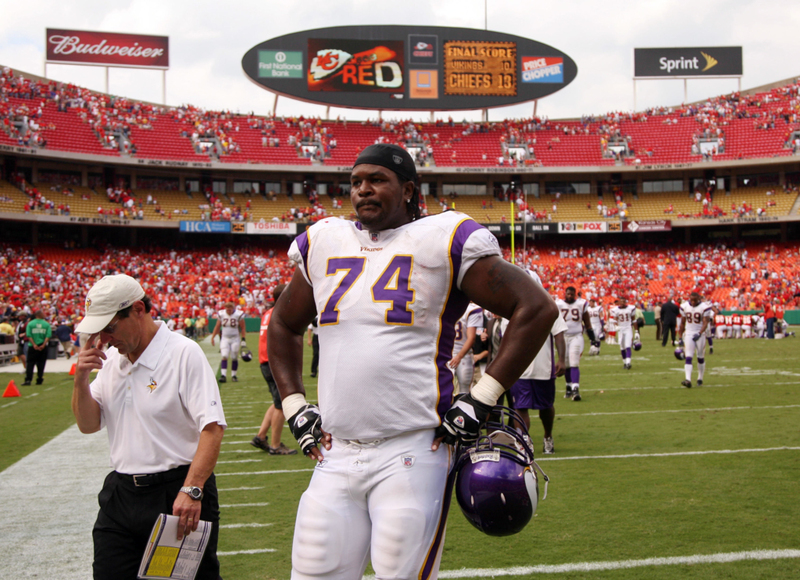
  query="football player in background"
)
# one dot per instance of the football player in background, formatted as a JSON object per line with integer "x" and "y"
{"x": 273, "y": 419}
{"x": 747, "y": 326}
{"x": 597, "y": 315}
{"x": 536, "y": 388}
{"x": 736, "y": 325}
{"x": 625, "y": 317}
{"x": 721, "y": 325}
{"x": 463, "y": 363}
{"x": 389, "y": 290}
{"x": 695, "y": 318}
{"x": 575, "y": 314}
{"x": 231, "y": 330}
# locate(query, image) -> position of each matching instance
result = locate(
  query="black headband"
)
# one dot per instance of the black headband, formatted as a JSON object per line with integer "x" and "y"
{"x": 390, "y": 156}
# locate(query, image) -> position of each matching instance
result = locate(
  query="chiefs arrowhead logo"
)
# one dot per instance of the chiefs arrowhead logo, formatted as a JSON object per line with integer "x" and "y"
{"x": 327, "y": 62}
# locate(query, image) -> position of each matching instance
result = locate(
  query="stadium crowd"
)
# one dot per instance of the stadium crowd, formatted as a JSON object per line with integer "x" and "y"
{"x": 194, "y": 282}
{"x": 111, "y": 118}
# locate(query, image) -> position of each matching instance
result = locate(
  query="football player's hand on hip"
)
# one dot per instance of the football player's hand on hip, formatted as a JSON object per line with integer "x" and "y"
{"x": 462, "y": 422}
{"x": 306, "y": 426}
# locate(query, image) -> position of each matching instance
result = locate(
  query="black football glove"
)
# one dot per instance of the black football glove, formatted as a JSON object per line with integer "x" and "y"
{"x": 696, "y": 337}
{"x": 306, "y": 426}
{"x": 462, "y": 422}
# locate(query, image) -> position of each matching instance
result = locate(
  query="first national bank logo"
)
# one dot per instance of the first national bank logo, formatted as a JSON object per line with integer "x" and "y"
{"x": 277, "y": 64}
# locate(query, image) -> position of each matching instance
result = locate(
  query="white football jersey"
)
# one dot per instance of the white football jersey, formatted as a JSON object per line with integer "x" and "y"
{"x": 543, "y": 366}
{"x": 623, "y": 316}
{"x": 472, "y": 318}
{"x": 394, "y": 291}
{"x": 230, "y": 323}
{"x": 595, "y": 315}
{"x": 572, "y": 314}
{"x": 694, "y": 315}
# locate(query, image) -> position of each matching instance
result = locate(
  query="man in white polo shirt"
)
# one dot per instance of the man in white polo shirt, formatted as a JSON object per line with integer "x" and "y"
{"x": 156, "y": 395}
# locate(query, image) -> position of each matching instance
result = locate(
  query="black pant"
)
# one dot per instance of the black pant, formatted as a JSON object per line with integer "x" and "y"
{"x": 668, "y": 327}
{"x": 37, "y": 358}
{"x": 126, "y": 517}
{"x": 315, "y": 355}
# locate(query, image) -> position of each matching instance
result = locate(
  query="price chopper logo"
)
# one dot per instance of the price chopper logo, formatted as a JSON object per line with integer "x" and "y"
{"x": 542, "y": 69}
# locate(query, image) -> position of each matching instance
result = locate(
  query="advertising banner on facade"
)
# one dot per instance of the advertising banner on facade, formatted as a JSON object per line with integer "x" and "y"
{"x": 707, "y": 61}
{"x": 528, "y": 229}
{"x": 106, "y": 48}
{"x": 206, "y": 227}
{"x": 647, "y": 226}
{"x": 582, "y": 227}
{"x": 271, "y": 228}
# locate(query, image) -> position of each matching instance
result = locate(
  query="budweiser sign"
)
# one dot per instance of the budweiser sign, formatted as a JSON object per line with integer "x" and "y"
{"x": 107, "y": 48}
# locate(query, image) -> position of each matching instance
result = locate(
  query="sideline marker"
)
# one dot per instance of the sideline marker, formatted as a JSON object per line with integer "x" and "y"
{"x": 11, "y": 390}
{"x": 72, "y": 370}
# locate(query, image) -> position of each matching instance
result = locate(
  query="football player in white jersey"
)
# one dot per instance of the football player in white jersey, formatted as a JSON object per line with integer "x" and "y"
{"x": 611, "y": 329}
{"x": 467, "y": 327}
{"x": 389, "y": 290}
{"x": 625, "y": 317}
{"x": 231, "y": 328}
{"x": 597, "y": 316}
{"x": 695, "y": 318}
{"x": 721, "y": 325}
{"x": 575, "y": 314}
{"x": 536, "y": 388}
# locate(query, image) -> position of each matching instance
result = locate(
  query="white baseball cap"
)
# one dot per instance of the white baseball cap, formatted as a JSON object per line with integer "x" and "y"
{"x": 107, "y": 297}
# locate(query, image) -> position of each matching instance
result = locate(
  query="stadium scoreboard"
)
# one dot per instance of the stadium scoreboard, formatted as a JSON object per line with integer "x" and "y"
{"x": 408, "y": 67}
{"x": 480, "y": 68}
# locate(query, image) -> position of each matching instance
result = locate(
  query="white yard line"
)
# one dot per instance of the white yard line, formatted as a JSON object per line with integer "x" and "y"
{"x": 722, "y": 558}
{"x": 706, "y": 410}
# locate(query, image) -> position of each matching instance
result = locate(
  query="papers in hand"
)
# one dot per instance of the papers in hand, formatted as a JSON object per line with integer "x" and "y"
{"x": 166, "y": 557}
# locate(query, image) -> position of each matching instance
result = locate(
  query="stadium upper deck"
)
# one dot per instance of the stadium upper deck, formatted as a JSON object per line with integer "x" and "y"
{"x": 54, "y": 116}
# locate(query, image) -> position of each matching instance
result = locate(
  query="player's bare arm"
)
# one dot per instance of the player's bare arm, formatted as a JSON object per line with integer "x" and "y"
{"x": 217, "y": 330}
{"x": 509, "y": 292}
{"x": 561, "y": 348}
{"x": 293, "y": 312}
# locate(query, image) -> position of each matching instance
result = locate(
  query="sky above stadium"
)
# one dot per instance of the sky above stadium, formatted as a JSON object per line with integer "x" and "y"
{"x": 208, "y": 40}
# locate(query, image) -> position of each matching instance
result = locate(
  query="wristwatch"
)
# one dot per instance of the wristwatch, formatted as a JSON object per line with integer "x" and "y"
{"x": 193, "y": 492}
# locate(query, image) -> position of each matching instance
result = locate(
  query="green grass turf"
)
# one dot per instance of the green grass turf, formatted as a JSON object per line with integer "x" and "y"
{"x": 598, "y": 508}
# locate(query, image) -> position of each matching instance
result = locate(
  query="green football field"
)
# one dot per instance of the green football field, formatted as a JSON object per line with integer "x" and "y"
{"x": 649, "y": 479}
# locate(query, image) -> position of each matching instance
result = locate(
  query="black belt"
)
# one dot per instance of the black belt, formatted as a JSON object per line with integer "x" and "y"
{"x": 143, "y": 480}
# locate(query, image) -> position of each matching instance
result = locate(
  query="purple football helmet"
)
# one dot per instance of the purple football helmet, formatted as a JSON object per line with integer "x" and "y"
{"x": 679, "y": 353}
{"x": 496, "y": 483}
{"x": 637, "y": 345}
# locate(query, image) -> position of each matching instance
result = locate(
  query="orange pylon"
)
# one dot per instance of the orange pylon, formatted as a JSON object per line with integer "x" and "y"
{"x": 11, "y": 390}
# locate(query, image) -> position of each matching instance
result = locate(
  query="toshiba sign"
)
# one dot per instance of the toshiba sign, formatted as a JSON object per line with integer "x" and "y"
{"x": 107, "y": 48}
{"x": 271, "y": 228}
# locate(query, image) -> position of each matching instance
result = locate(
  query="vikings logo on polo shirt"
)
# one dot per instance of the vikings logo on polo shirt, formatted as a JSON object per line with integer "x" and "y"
{"x": 152, "y": 386}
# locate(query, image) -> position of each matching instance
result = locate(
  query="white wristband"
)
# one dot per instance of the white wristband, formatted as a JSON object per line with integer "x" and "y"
{"x": 293, "y": 403}
{"x": 487, "y": 390}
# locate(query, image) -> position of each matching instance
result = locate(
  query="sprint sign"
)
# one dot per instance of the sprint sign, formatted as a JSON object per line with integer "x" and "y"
{"x": 542, "y": 69}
